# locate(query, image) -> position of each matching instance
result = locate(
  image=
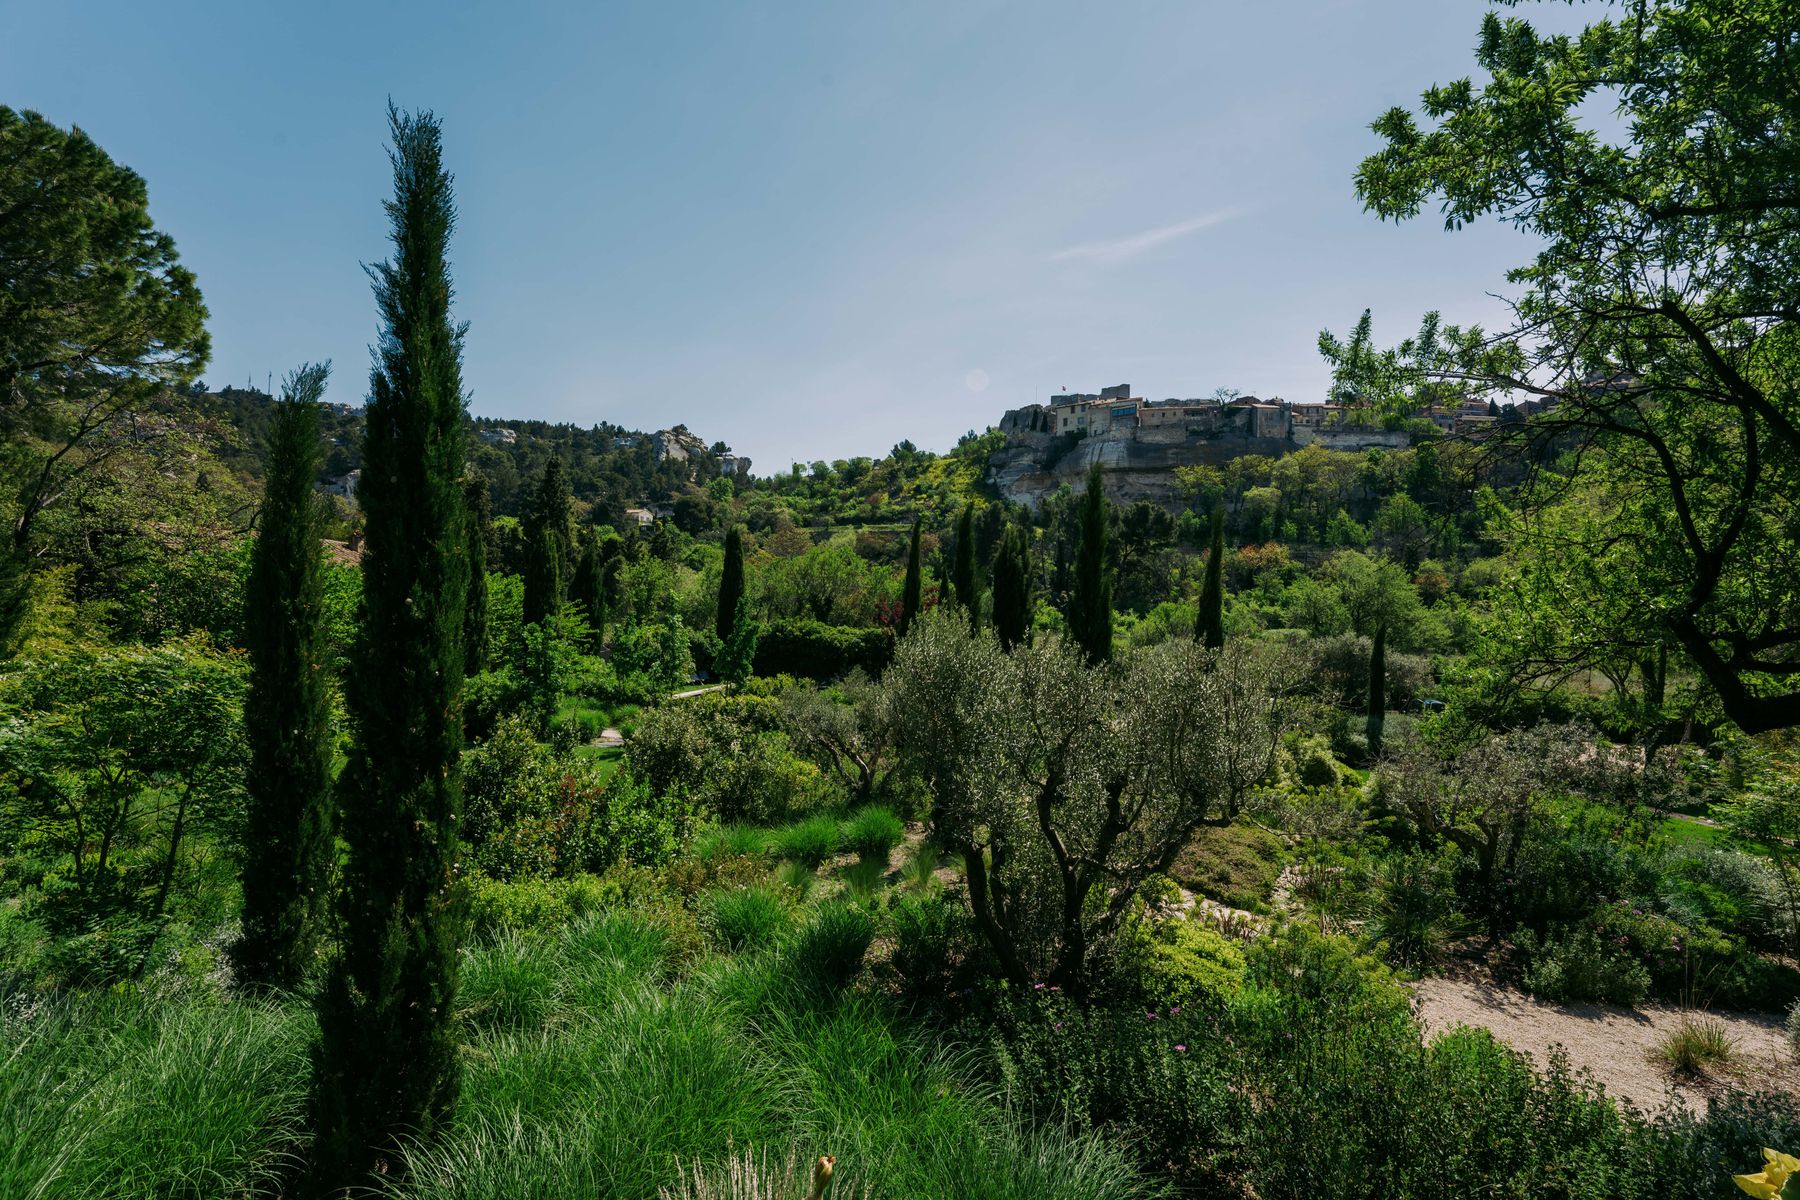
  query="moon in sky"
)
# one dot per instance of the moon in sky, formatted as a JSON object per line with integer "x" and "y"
{"x": 976, "y": 380}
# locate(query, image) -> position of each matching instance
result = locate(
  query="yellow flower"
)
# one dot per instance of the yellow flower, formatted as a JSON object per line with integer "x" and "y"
{"x": 1768, "y": 1183}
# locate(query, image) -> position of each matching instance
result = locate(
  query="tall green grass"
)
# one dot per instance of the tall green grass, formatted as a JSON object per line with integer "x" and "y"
{"x": 133, "y": 1095}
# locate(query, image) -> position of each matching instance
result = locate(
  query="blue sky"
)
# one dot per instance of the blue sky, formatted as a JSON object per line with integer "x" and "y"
{"x": 809, "y": 229}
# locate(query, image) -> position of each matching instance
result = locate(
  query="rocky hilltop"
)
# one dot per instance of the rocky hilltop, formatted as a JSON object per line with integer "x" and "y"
{"x": 1139, "y": 443}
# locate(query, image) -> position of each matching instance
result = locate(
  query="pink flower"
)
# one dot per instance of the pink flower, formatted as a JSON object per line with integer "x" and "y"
{"x": 1037, "y": 987}
{"x": 1174, "y": 1009}
{"x": 1181, "y": 1047}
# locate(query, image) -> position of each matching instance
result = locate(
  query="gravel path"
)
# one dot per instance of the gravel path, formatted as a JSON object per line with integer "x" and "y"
{"x": 1616, "y": 1044}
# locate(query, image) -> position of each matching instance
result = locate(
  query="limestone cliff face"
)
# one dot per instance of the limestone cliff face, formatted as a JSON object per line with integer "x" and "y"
{"x": 1139, "y": 462}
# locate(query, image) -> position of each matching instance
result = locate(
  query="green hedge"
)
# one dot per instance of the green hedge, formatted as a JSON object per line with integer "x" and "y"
{"x": 815, "y": 650}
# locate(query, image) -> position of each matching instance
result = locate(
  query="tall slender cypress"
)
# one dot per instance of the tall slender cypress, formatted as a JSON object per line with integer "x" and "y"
{"x": 546, "y": 544}
{"x": 479, "y": 513}
{"x": 912, "y": 594}
{"x": 1090, "y": 604}
{"x": 588, "y": 589}
{"x": 965, "y": 582}
{"x": 288, "y": 822}
{"x": 1377, "y": 690}
{"x": 385, "y": 1067}
{"x": 1012, "y": 588}
{"x": 1209, "y": 628}
{"x": 731, "y": 584}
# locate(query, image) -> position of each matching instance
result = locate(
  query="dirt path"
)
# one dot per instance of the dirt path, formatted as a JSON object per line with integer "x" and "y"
{"x": 1616, "y": 1044}
{"x": 615, "y": 737}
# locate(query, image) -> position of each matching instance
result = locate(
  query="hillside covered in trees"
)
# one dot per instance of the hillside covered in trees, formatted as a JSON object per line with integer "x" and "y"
{"x": 546, "y": 813}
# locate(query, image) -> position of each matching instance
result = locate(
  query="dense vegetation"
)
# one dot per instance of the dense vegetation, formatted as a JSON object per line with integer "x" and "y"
{"x": 503, "y": 845}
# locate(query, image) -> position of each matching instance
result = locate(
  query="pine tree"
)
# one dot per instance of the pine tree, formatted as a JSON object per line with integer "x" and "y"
{"x": 1209, "y": 628}
{"x": 479, "y": 512}
{"x": 288, "y": 821}
{"x": 385, "y": 1067}
{"x": 588, "y": 589}
{"x": 965, "y": 583}
{"x": 1090, "y": 604}
{"x": 546, "y": 544}
{"x": 731, "y": 584}
{"x": 913, "y": 593}
{"x": 1377, "y": 690}
{"x": 1012, "y": 588}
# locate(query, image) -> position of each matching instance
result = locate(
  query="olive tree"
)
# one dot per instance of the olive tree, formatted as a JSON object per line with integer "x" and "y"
{"x": 1066, "y": 785}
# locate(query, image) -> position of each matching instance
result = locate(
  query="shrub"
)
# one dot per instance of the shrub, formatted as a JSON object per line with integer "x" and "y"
{"x": 828, "y": 950}
{"x": 494, "y": 906}
{"x": 1415, "y": 909}
{"x": 814, "y": 650}
{"x": 1696, "y": 1043}
{"x": 934, "y": 948}
{"x": 1326, "y": 974}
{"x": 874, "y": 831}
{"x": 1233, "y": 864}
{"x": 1576, "y": 963}
{"x": 746, "y": 918}
{"x": 1184, "y": 961}
{"x": 810, "y": 842}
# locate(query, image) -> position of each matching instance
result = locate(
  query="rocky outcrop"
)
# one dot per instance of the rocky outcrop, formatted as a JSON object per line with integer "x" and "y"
{"x": 1138, "y": 463}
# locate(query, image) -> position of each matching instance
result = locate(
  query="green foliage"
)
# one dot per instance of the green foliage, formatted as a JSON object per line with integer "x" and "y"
{"x": 731, "y": 585}
{"x": 745, "y": 918}
{"x": 873, "y": 832}
{"x": 1013, "y": 601}
{"x": 965, "y": 580}
{"x": 1185, "y": 962}
{"x": 1696, "y": 1043}
{"x": 122, "y": 765}
{"x": 1579, "y": 964}
{"x": 97, "y": 318}
{"x": 1377, "y": 706}
{"x": 289, "y": 824}
{"x": 386, "y": 1065}
{"x": 1233, "y": 864}
{"x": 828, "y": 948}
{"x": 1416, "y": 909}
{"x": 187, "y": 1098}
{"x": 737, "y": 653}
{"x": 1652, "y": 314}
{"x": 1209, "y": 629}
{"x": 725, "y": 757}
{"x": 478, "y": 512}
{"x": 912, "y": 591}
{"x": 659, "y": 653}
{"x": 1090, "y": 605}
{"x": 811, "y": 650}
{"x": 547, "y": 534}
{"x": 810, "y": 841}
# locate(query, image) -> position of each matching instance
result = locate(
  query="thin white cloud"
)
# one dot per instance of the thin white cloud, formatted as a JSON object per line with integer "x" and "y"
{"x": 1121, "y": 249}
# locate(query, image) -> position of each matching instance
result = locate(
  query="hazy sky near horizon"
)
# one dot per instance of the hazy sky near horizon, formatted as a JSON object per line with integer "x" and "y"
{"x": 809, "y": 229}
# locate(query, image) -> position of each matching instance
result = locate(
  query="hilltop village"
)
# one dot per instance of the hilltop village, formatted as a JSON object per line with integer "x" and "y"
{"x": 1139, "y": 443}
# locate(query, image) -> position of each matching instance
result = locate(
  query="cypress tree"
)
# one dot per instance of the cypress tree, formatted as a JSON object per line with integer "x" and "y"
{"x": 288, "y": 821}
{"x": 913, "y": 593}
{"x": 1209, "y": 628}
{"x": 731, "y": 584}
{"x": 588, "y": 589}
{"x": 1012, "y": 589}
{"x": 546, "y": 544}
{"x": 1377, "y": 690}
{"x": 479, "y": 512}
{"x": 1090, "y": 604}
{"x": 964, "y": 581}
{"x": 385, "y": 1067}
